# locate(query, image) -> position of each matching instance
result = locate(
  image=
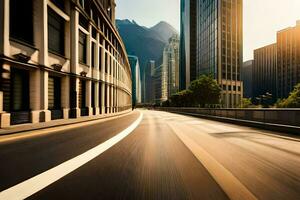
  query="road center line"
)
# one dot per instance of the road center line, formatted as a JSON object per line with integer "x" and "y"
{"x": 39, "y": 182}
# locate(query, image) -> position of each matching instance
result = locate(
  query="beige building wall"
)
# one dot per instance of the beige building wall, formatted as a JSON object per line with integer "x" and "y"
{"x": 99, "y": 85}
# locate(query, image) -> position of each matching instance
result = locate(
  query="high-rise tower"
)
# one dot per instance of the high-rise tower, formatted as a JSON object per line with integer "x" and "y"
{"x": 219, "y": 50}
{"x": 187, "y": 67}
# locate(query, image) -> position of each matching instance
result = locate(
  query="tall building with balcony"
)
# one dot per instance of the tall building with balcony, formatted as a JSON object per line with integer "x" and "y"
{"x": 219, "y": 50}
{"x": 288, "y": 62}
{"x": 170, "y": 67}
{"x": 136, "y": 80}
{"x": 61, "y": 59}
{"x": 187, "y": 66}
{"x": 265, "y": 71}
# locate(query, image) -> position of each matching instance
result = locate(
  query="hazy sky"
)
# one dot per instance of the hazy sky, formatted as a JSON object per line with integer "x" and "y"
{"x": 149, "y": 12}
{"x": 262, "y": 18}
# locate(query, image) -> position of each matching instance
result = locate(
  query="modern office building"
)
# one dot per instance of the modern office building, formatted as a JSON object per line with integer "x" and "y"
{"x": 164, "y": 79}
{"x": 170, "y": 68}
{"x": 247, "y": 78}
{"x": 265, "y": 71}
{"x": 159, "y": 85}
{"x": 187, "y": 66}
{"x": 61, "y": 59}
{"x": 219, "y": 50}
{"x": 136, "y": 80}
{"x": 288, "y": 62}
{"x": 148, "y": 90}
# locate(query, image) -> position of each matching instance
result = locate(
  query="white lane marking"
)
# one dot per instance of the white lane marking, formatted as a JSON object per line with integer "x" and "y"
{"x": 228, "y": 182}
{"x": 39, "y": 182}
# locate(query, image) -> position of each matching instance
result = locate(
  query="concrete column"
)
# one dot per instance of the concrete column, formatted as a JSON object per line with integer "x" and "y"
{"x": 96, "y": 91}
{"x": 89, "y": 50}
{"x": 112, "y": 99}
{"x": 112, "y": 69}
{"x": 45, "y": 114}
{"x": 39, "y": 78}
{"x": 108, "y": 67}
{"x": 117, "y": 84}
{"x": 74, "y": 89}
{"x": 102, "y": 98}
{"x": 41, "y": 30}
{"x": 97, "y": 63}
{"x": 113, "y": 11}
{"x": 74, "y": 41}
{"x": 68, "y": 31}
{"x": 65, "y": 97}
{"x": 103, "y": 61}
{"x": 4, "y": 27}
{"x": 35, "y": 94}
{"x": 4, "y": 116}
{"x": 38, "y": 93}
{"x": 115, "y": 99}
{"x": 88, "y": 97}
{"x": 108, "y": 98}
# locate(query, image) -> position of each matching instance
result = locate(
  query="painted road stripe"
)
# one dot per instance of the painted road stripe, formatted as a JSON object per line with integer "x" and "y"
{"x": 39, "y": 182}
{"x": 228, "y": 182}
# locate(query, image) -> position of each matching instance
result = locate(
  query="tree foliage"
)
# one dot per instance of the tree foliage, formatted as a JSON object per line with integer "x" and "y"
{"x": 202, "y": 92}
{"x": 247, "y": 103}
{"x": 293, "y": 101}
{"x": 205, "y": 91}
{"x": 182, "y": 99}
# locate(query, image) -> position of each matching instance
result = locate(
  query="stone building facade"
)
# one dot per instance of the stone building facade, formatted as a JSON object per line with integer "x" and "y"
{"x": 61, "y": 59}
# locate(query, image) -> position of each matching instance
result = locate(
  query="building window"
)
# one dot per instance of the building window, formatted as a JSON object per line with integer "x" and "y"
{"x": 21, "y": 20}
{"x": 81, "y": 2}
{"x": 82, "y": 47}
{"x": 106, "y": 62}
{"x": 59, "y": 3}
{"x": 83, "y": 22}
{"x": 100, "y": 57}
{"x": 56, "y": 29}
{"x": 93, "y": 62}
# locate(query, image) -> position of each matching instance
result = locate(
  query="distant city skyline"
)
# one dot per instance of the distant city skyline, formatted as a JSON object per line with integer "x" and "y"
{"x": 260, "y": 22}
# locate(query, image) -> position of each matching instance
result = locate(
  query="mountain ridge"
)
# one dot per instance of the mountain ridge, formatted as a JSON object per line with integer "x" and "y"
{"x": 143, "y": 42}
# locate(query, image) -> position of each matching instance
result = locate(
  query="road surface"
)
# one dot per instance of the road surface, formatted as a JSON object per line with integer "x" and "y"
{"x": 151, "y": 155}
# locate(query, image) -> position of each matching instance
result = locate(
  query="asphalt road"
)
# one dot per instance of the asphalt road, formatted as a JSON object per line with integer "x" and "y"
{"x": 167, "y": 156}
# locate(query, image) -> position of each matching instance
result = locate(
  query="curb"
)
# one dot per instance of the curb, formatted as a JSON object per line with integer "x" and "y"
{"x": 29, "y": 127}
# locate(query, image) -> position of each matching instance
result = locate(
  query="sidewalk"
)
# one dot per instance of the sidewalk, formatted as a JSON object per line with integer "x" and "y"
{"x": 56, "y": 123}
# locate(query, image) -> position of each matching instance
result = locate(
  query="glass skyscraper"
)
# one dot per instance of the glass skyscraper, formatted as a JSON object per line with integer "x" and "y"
{"x": 220, "y": 45}
{"x": 136, "y": 79}
{"x": 187, "y": 67}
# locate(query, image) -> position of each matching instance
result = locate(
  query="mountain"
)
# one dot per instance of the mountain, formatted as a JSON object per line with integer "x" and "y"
{"x": 145, "y": 43}
{"x": 164, "y": 30}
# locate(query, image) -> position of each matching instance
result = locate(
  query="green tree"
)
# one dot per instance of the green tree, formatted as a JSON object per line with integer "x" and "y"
{"x": 205, "y": 91}
{"x": 247, "y": 103}
{"x": 293, "y": 101}
{"x": 181, "y": 99}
